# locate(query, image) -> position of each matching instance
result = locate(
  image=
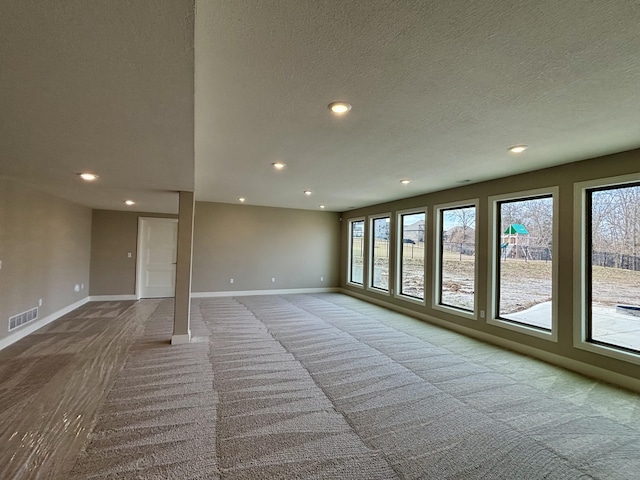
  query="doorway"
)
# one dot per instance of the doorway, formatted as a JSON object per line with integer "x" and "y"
{"x": 156, "y": 262}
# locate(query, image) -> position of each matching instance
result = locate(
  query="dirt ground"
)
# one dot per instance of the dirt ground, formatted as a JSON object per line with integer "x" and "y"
{"x": 613, "y": 286}
{"x": 523, "y": 284}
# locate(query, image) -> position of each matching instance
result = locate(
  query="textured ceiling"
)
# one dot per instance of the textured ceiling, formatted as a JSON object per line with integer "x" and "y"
{"x": 439, "y": 91}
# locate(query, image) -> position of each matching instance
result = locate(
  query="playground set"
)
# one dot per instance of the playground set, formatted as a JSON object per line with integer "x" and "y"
{"x": 515, "y": 242}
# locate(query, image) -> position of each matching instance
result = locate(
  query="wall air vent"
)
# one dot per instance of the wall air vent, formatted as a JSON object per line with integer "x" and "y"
{"x": 22, "y": 318}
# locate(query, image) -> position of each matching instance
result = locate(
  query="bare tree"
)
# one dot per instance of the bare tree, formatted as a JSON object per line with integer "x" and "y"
{"x": 464, "y": 220}
{"x": 615, "y": 224}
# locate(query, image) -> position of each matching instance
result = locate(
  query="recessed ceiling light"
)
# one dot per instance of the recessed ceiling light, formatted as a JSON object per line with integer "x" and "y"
{"x": 339, "y": 108}
{"x": 89, "y": 177}
{"x": 321, "y": 206}
{"x": 129, "y": 202}
{"x": 307, "y": 192}
{"x": 517, "y": 148}
{"x": 278, "y": 165}
{"x": 241, "y": 199}
{"x": 405, "y": 182}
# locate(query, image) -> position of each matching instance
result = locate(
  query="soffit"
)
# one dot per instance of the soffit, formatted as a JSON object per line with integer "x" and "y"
{"x": 101, "y": 86}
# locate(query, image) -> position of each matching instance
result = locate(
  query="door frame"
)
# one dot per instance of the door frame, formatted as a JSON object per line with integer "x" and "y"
{"x": 141, "y": 220}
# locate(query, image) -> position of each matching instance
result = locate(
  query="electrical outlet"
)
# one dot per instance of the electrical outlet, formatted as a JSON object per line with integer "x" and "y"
{"x": 82, "y": 286}
{"x": 128, "y": 254}
{"x": 40, "y": 302}
{"x": 231, "y": 280}
{"x": 0, "y": 264}
{"x": 76, "y": 288}
{"x": 322, "y": 279}
{"x": 273, "y": 279}
{"x": 481, "y": 313}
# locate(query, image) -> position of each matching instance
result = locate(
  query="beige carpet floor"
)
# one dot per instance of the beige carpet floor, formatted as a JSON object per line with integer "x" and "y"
{"x": 297, "y": 386}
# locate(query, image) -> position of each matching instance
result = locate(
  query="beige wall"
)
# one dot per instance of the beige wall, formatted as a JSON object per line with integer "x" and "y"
{"x": 44, "y": 248}
{"x": 254, "y": 244}
{"x": 246, "y": 243}
{"x": 563, "y": 177}
{"x": 114, "y": 234}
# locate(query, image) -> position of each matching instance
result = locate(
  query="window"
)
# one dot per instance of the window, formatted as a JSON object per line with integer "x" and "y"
{"x": 379, "y": 242}
{"x": 523, "y": 261}
{"x": 613, "y": 266}
{"x": 356, "y": 251}
{"x": 455, "y": 277}
{"x": 411, "y": 254}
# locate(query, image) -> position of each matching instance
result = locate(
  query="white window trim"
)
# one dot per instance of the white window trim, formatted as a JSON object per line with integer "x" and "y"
{"x": 580, "y": 219}
{"x": 371, "y": 245}
{"x": 399, "y": 246}
{"x": 473, "y": 202}
{"x": 492, "y": 279}
{"x": 349, "y": 249}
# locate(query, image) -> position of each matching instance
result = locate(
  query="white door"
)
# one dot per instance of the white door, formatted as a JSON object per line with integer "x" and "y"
{"x": 157, "y": 251}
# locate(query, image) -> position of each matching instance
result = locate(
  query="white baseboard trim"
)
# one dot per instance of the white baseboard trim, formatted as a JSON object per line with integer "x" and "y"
{"x": 111, "y": 298}
{"x": 585, "y": 369}
{"x": 181, "y": 339}
{"x": 32, "y": 327}
{"x": 246, "y": 293}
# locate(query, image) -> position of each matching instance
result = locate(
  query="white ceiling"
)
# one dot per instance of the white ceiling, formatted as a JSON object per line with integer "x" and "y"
{"x": 439, "y": 91}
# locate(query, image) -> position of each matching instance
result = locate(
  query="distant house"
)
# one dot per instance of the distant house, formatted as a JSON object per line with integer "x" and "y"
{"x": 414, "y": 231}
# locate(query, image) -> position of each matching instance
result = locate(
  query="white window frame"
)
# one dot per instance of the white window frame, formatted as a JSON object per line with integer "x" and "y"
{"x": 350, "y": 248}
{"x": 492, "y": 281}
{"x": 437, "y": 242}
{"x": 580, "y": 219}
{"x": 399, "y": 247}
{"x": 371, "y": 241}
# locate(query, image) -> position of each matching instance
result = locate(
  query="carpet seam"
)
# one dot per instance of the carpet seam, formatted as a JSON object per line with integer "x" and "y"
{"x": 216, "y": 453}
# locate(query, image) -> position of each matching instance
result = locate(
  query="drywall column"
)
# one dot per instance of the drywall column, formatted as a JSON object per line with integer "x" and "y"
{"x": 181, "y": 316}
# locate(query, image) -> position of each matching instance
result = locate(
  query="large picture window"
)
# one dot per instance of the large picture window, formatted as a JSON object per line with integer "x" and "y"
{"x": 356, "y": 251}
{"x": 456, "y": 257}
{"x": 379, "y": 241}
{"x": 524, "y": 261}
{"x": 411, "y": 254}
{"x": 613, "y": 266}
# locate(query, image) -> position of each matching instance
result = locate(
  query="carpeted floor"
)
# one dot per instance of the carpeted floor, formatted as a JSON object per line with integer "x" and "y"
{"x": 297, "y": 386}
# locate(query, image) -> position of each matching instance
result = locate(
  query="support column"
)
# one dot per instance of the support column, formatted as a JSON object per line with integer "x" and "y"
{"x": 182, "y": 312}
